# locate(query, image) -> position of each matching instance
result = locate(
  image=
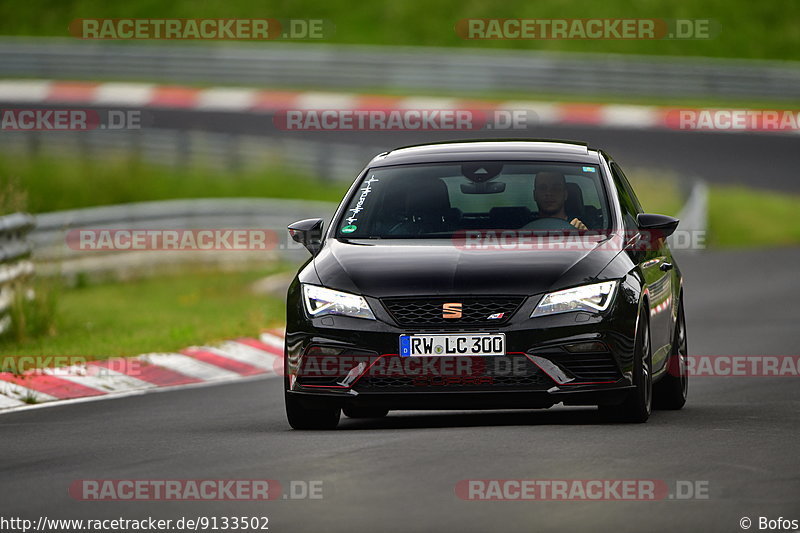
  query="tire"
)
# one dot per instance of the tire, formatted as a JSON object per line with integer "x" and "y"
{"x": 365, "y": 412}
{"x": 638, "y": 405}
{"x": 671, "y": 392}
{"x": 303, "y": 418}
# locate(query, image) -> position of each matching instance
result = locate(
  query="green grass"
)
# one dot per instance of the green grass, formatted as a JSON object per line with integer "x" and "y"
{"x": 765, "y": 30}
{"x": 13, "y": 196}
{"x": 740, "y": 217}
{"x": 32, "y": 311}
{"x": 658, "y": 192}
{"x": 55, "y": 184}
{"x": 154, "y": 315}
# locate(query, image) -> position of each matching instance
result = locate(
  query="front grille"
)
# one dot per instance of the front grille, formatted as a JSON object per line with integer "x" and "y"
{"x": 427, "y": 312}
{"x": 515, "y": 373}
{"x": 588, "y": 367}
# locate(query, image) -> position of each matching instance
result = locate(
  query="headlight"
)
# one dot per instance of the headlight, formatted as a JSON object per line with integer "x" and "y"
{"x": 592, "y": 298}
{"x": 320, "y": 301}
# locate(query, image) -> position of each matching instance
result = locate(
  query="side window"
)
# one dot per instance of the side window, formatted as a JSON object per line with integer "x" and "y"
{"x": 627, "y": 185}
{"x": 628, "y": 202}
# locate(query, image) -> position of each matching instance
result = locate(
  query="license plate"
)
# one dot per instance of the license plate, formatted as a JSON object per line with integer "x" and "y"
{"x": 464, "y": 344}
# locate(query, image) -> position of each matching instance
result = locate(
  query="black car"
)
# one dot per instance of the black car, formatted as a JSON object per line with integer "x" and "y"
{"x": 485, "y": 275}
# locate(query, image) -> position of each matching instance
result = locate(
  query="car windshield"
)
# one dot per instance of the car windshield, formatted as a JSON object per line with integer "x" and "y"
{"x": 441, "y": 200}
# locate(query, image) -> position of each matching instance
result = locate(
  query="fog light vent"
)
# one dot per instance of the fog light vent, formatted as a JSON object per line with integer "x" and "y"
{"x": 586, "y": 347}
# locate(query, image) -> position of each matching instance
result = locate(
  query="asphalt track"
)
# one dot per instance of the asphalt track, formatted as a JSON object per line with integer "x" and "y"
{"x": 767, "y": 161}
{"x": 398, "y": 474}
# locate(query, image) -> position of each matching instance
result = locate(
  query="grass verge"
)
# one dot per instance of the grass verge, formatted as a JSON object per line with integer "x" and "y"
{"x": 658, "y": 192}
{"x": 32, "y": 312}
{"x": 52, "y": 184}
{"x": 154, "y": 315}
{"x": 740, "y": 217}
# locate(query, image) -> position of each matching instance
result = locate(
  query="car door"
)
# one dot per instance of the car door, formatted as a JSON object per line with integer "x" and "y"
{"x": 651, "y": 255}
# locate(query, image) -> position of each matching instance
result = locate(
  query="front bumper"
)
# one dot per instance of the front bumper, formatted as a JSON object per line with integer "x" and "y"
{"x": 485, "y": 399}
{"x": 354, "y": 362}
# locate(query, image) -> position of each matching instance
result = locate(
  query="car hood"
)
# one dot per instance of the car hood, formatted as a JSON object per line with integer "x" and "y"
{"x": 434, "y": 267}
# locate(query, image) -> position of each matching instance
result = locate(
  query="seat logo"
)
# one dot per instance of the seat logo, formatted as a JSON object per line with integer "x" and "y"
{"x": 451, "y": 310}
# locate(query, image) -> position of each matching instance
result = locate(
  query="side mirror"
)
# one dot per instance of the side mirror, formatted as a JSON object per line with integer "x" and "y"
{"x": 661, "y": 225}
{"x": 307, "y": 232}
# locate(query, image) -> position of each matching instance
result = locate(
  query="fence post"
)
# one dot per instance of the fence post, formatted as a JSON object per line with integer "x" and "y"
{"x": 15, "y": 265}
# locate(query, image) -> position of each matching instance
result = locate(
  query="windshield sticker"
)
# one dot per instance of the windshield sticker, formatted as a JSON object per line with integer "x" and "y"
{"x": 588, "y": 169}
{"x": 349, "y": 229}
{"x": 360, "y": 204}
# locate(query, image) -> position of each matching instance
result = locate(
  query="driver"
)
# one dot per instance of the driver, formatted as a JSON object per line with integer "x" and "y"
{"x": 550, "y": 194}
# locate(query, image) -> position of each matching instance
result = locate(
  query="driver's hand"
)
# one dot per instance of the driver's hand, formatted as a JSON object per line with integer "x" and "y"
{"x": 578, "y": 224}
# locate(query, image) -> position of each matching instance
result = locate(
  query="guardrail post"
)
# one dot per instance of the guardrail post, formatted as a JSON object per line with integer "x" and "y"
{"x": 15, "y": 265}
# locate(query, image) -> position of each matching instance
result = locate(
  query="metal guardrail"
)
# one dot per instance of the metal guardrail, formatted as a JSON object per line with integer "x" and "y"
{"x": 15, "y": 265}
{"x": 401, "y": 68}
{"x": 54, "y": 256}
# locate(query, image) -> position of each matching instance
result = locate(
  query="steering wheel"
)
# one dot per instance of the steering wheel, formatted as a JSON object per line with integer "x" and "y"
{"x": 550, "y": 223}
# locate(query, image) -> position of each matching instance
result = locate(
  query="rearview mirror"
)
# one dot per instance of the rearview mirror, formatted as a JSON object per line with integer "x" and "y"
{"x": 662, "y": 225}
{"x": 489, "y": 187}
{"x": 307, "y": 232}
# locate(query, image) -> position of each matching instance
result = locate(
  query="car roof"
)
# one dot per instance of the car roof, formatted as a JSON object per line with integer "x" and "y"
{"x": 489, "y": 149}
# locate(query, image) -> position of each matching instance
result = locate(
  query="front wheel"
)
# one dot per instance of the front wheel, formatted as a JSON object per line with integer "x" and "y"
{"x": 301, "y": 417}
{"x": 637, "y": 406}
{"x": 671, "y": 392}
